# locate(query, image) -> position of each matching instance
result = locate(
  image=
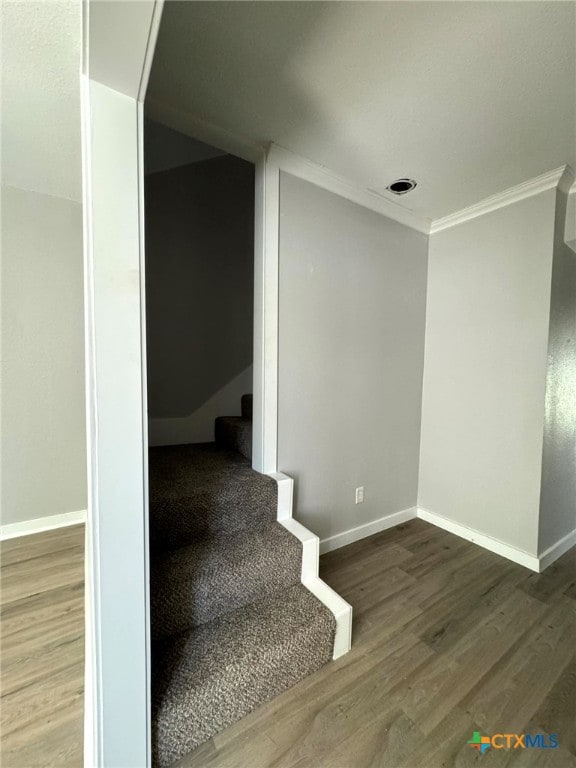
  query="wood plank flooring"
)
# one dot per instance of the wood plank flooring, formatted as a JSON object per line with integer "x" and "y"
{"x": 42, "y": 650}
{"x": 448, "y": 639}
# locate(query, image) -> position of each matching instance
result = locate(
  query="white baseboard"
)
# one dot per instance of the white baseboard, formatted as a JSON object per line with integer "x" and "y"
{"x": 557, "y": 550}
{"x": 25, "y": 528}
{"x": 368, "y": 529}
{"x": 482, "y": 540}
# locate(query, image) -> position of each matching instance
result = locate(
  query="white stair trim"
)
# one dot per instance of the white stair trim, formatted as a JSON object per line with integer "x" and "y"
{"x": 340, "y": 609}
{"x": 40, "y": 524}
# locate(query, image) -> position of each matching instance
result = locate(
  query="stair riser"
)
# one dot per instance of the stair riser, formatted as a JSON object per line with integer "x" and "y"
{"x": 198, "y": 584}
{"x": 184, "y": 719}
{"x": 246, "y": 407}
{"x": 234, "y": 435}
{"x": 180, "y": 522}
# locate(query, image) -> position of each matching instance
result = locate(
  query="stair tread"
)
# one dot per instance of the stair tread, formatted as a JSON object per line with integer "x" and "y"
{"x": 195, "y": 584}
{"x": 237, "y": 420}
{"x": 209, "y": 677}
{"x": 201, "y": 489}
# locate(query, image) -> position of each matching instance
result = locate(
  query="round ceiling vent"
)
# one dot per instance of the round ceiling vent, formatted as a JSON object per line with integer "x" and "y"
{"x": 401, "y": 186}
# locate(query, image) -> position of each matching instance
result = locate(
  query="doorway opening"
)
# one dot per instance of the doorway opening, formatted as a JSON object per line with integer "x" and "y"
{"x": 199, "y": 213}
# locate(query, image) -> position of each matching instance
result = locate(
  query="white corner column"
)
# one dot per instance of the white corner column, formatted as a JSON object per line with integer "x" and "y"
{"x": 266, "y": 255}
{"x": 119, "y": 40}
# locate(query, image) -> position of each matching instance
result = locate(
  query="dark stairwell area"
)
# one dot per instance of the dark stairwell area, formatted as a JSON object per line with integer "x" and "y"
{"x": 231, "y": 623}
{"x": 199, "y": 285}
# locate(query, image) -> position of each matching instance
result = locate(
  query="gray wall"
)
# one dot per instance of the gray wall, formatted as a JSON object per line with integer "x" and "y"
{"x": 485, "y": 370}
{"x": 351, "y": 343}
{"x": 167, "y": 148}
{"x": 199, "y": 282}
{"x": 43, "y": 435}
{"x": 43, "y": 415}
{"x": 558, "y": 491}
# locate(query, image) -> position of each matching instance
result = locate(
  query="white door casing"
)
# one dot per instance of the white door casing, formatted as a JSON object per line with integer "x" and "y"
{"x": 118, "y": 42}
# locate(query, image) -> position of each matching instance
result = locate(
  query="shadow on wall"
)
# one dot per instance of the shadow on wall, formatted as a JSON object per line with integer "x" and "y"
{"x": 199, "y": 281}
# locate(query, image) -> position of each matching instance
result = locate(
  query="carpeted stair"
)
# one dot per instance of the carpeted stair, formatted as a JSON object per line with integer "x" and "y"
{"x": 232, "y": 626}
{"x": 235, "y": 432}
{"x": 202, "y": 490}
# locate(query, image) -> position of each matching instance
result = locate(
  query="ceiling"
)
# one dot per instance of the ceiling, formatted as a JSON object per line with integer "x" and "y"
{"x": 468, "y": 98}
{"x": 41, "y": 144}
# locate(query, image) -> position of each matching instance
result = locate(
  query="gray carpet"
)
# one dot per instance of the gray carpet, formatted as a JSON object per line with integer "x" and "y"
{"x": 207, "y": 679}
{"x": 234, "y": 433}
{"x": 232, "y": 626}
{"x": 246, "y": 406}
{"x": 201, "y": 489}
{"x": 193, "y": 585}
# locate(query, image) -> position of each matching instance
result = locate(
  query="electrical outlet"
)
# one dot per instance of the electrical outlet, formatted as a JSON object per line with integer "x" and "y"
{"x": 360, "y": 495}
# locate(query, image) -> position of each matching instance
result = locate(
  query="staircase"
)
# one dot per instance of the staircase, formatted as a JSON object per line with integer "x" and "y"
{"x": 235, "y": 432}
{"x": 232, "y": 624}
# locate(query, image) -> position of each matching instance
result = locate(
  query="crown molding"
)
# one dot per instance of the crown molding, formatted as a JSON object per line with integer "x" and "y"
{"x": 320, "y": 176}
{"x": 285, "y": 160}
{"x": 513, "y": 195}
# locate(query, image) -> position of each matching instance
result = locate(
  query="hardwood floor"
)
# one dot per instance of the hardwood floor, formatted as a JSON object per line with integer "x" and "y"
{"x": 42, "y": 650}
{"x": 448, "y": 639}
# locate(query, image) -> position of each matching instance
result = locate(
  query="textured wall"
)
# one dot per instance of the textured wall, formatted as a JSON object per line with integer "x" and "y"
{"x": 199, "y": 282}
{"x": 485, "y": 370}
{"x": 43, "y": 417}
{"x": 558, "y": 492}
{"x": 41, "y": 148}
{"x": 351, "y": 343}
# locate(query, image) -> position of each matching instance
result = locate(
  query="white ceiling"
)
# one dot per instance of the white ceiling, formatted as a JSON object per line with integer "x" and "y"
{"x": 468, "y": 98}
{"x": 41, "y": 144}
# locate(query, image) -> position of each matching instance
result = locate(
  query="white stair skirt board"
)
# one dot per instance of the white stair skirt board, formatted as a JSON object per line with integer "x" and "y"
{"x": 341, "y": 610}
{"x": 519, "y": 556}
{"x": 368, "y": 529}
{"x": 39, "y": 524}
{"x": 557, "y": 550}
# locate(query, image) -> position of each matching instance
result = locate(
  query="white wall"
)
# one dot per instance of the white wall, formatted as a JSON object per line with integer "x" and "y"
{"x": 351, "y": 343}
{"x": 43, "y": 412}
{"x": 558, "y": 492}
{"x": 40, "y": 44}
{"x": 43, "y": 435}
{"x": 485, "y": 371}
